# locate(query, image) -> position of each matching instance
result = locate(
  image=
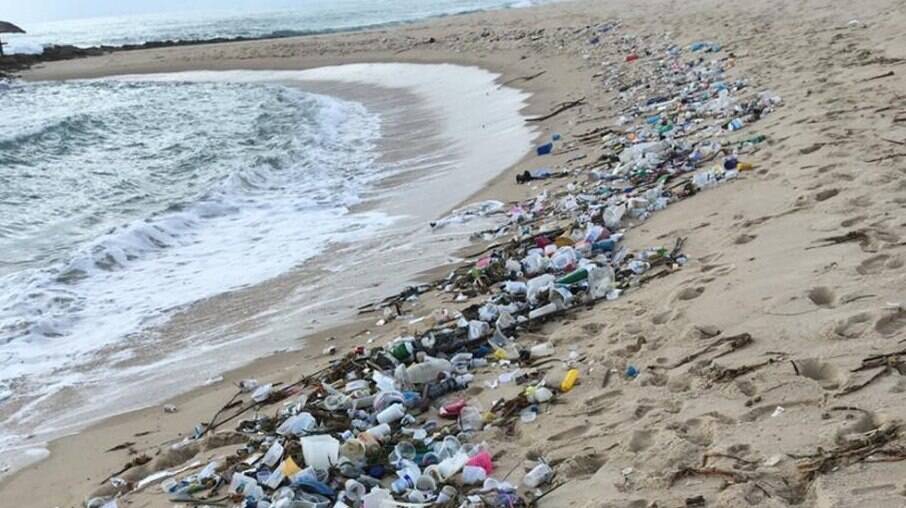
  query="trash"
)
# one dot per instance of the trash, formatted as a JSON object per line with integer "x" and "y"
{"x": 572, "y": 375}
{"x": 320, "y": 451}
{"x": 539, "y": 475}
{"x": 392, "y": 421}
{"x": 170, "y": 408}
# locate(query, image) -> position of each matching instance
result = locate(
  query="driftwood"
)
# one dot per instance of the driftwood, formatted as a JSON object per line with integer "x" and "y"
{"x": 723, "y": 375}
{"x": 559, "y": 109}
{"x": 886, "y": 364}
{"x": 733, "y": 343}
{"x": 868, "y": 447}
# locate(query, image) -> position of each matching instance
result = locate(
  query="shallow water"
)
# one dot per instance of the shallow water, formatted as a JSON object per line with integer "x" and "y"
{"x": 315, "y": 17}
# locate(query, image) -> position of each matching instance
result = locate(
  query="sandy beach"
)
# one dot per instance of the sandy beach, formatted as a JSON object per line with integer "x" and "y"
{"x": 731, "y": 429}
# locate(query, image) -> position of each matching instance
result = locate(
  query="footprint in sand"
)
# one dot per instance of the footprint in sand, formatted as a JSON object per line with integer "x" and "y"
{"x": 663, "y": 317}
{"x": 826, "y": 194}
{"x": 696, "y": 431}
{"x": 853, "y": 221}
{"x": 690, "y": 293}
{"x": 581, "y": 466}
{"x": 569, "y": 433}
{"x": 892, "y": 323}
{"x": 852, "y": 327}
{"x": 641, "y": 440}
{"x": 744, "y": 239}
{"x": 811, "y": 148}
{"x": 879, "y": 263}
{"x": 822, "y": 296}
{"x": 827, "y": 375}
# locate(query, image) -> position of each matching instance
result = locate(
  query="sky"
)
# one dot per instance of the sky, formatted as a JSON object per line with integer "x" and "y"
{"x": 24, "y": 11}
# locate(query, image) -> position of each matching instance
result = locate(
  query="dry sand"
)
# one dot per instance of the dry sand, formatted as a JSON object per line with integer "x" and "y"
{"x": 816, "y": 312}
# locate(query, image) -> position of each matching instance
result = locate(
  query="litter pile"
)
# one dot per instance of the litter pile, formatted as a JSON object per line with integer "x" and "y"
{"x": 389, "y": 425}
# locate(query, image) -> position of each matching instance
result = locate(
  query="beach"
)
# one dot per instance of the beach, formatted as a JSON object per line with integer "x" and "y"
{"x": 758, "y": 263}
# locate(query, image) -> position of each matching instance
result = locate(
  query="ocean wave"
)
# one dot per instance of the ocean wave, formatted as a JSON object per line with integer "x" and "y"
{"x": 204, "y": 195}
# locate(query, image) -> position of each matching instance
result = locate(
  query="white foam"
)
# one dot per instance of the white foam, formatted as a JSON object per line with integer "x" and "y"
{"x": 481, "y": 120}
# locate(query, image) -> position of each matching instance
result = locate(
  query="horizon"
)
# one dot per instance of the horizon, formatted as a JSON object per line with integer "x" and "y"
{"x": 52, "y": 11}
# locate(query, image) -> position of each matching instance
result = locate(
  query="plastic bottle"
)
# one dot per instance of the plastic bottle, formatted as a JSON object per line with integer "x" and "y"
{"x": 391, "y": 414}
{"x": 542, "y": 350}
{"x": 539, "y": 475}
{"x": 575, "y": 276}
{"x": 613, "y": 215}
{"x": 572, "y": 375}
{"x": 429, "y": 369}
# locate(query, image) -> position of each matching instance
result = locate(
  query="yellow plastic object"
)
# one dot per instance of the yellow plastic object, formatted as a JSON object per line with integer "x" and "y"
{"x": 745, "y": 166}
{"x": 569, "y": 380}
{"x": 564, "y": 241}
{"x": 500, "y": 354}
{"x": 289, "y": 467}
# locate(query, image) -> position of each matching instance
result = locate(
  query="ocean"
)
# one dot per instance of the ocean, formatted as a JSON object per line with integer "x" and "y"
{"x": 316, "y": 17}
{"x": 129, "y": 202}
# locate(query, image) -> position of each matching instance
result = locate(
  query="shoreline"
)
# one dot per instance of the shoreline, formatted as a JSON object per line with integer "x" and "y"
{"x": 278, "y": 313}
{"x": 824, "y": 312}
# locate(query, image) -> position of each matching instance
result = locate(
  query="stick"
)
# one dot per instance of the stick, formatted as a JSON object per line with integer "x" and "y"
{"x": 852, "y": 236}
{"x": 892, "y": 156}
{"x": 879, "y": 76}
{"x": 563, "y": 107}
{"x": 522, "y": 78}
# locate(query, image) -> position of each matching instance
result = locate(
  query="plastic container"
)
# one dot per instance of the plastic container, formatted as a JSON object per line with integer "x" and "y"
{"x": 569, "y": 380}
{"x": 470, "y": 419}
{"x": 273, "y": 455}
{"x": 297, "y": 425}
{"x": 320, "y": 451}
{"x": 472, "y": 475}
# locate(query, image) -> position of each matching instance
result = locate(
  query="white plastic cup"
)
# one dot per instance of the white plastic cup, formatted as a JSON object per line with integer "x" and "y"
{"x": 425, "y": 483}
{"x": 355, "y": 491}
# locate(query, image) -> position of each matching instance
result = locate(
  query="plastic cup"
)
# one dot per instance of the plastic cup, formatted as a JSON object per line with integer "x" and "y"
{"x": 355, "y": 491}
{"x": 426, "y": 483}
